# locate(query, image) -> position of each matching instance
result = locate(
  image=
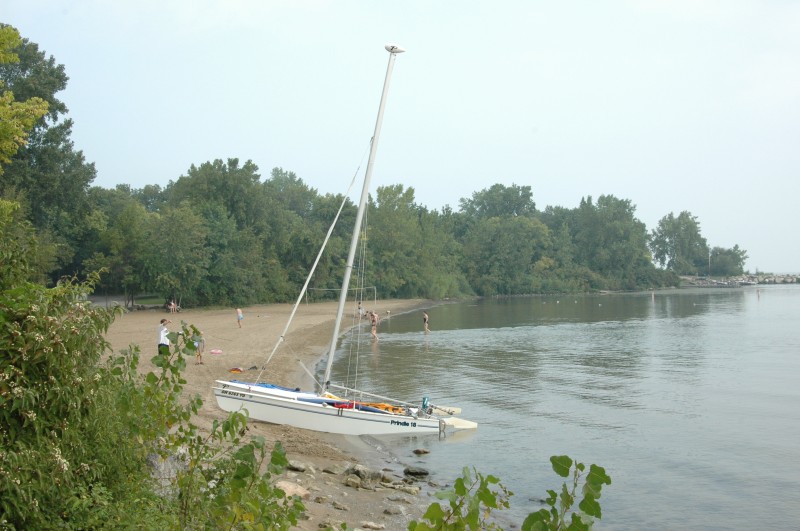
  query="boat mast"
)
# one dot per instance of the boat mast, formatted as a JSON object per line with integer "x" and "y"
{"x": 393, "y": 50}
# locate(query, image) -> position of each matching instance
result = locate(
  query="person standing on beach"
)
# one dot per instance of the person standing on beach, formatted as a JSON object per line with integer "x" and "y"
{"x": 163, "y": 340}
{"x": 239, "y": 316}
{"x": 199, "y": 348}
{"x": 425, "y": 321}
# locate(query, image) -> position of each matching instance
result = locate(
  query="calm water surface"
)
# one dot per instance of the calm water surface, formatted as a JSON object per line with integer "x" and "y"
{"x": 688, "y": 398}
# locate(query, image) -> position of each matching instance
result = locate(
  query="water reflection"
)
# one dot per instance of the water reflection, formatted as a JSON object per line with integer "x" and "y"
{"x": 521, "y": 343}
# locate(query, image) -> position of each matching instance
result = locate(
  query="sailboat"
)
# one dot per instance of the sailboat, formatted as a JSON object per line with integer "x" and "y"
{"x": 321, "y": 410}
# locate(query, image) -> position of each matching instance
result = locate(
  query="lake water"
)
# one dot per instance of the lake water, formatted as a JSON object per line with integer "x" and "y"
{"x": 688, "y": 398}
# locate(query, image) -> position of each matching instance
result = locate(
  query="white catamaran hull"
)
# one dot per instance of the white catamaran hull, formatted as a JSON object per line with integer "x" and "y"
{"x": 297, "y": 409}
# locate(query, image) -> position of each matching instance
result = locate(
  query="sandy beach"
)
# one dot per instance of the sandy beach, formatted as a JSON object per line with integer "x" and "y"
{"x": 249, "y": 346}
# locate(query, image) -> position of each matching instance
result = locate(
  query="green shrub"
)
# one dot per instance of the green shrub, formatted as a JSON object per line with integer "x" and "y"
{"x": 473, "y": 498}
{"x": 78, "y": 426}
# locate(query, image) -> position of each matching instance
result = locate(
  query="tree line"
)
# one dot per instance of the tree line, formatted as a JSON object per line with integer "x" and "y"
{"x": 223, "y": 234}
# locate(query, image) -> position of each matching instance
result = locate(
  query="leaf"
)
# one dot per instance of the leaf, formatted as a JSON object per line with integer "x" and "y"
{"x": 434, "y": 513}
{"x": 567, "y": 499}
{"x": 487, "y": 497}
{"x": 578, "y": 524}
{"x": 597, "y": 477}
{"x": 278, "y": 457}
{"x": 590, "y": 506}
{"x": 244, "y": 454}
{"x": 460, "y": 488}
{"x": 536, "y": 521}
{"x": 448, "y": 495}
{"x": 242, "y": 471}
{"x": 561, "y": 465}
{"x": 551, "y": 498}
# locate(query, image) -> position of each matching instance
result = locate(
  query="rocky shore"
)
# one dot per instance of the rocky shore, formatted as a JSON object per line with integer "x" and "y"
{"x": 340, "y": 478}
{"x": 739, "y": 281}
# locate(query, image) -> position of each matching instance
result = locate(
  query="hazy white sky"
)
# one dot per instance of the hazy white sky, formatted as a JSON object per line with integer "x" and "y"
{"x": 673, "y": 104}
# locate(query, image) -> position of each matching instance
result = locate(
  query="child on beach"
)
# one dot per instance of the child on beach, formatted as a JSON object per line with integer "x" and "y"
{"x": 199, "y": 348}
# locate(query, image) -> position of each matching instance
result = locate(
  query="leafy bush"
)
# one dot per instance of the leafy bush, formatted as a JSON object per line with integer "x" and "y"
{"x": 473, "y": 498}
{"x": 218, "y": 482}
{"x": 78, "y": 426}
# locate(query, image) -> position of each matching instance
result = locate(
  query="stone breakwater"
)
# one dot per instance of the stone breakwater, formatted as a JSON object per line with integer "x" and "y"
{"x": 739, "y": 281}
{"x": 771, "y": 279}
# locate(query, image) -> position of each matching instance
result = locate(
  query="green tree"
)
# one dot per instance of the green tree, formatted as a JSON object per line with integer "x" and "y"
{"x": 299, "y": 220}
{"x": 499, "y": 201}
{"x": 122, "y": 247}
{"x": 237, "y": 272}
{"x": 329, "y": 272}
{"x": 441, "y": 258}
{"x": 295, "y": 195}
{"x": 236, "y": 187}
{"x": 47, "y": 174}
{"x": 501, "y": 254}
{"x": 176, "y": 260}
{"x": 409, "y": 251}
{"x": 564, "y": 273}
{"x": 227, "y": 190}
{"x": 16, "y": 117}
{"x": 17, "y": 246}
{"x": 610, "y": 241}
{"x": 393, "y": 241}
{"x": 677, "y": 244}
{"x": 727, "y": 262}
{"x": 151, "y": 197}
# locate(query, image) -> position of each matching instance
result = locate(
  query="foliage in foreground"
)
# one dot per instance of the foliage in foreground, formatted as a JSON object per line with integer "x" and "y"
{"x": 473, "y": 498}
{"x": 82, "y": 431}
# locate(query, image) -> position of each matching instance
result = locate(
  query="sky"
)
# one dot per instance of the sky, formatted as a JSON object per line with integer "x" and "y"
{"x": 675, "y": 105}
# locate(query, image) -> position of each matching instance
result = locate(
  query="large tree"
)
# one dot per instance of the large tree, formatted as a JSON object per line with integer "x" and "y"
{"x": 499, "y": 201}
{"x": 612, "y": 242}
{"x": 17, "y": 114}
{"x": 727, "y": 262}
{"x": 176, "y": 258}
{"x": 299, "y": 220}
{"x": 121, "y": 243}
{"x": 47, "y": 175}
{"x": 393, "y": 241}
{"x": 237, "y": 187}
{"x": 677, "y": 244}
{"x": 501, "y": 254}
{"x": 411, "y": 254}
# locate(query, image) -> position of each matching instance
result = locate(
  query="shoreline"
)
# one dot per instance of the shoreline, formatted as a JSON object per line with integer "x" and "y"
{"x": 248, "y": 347}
